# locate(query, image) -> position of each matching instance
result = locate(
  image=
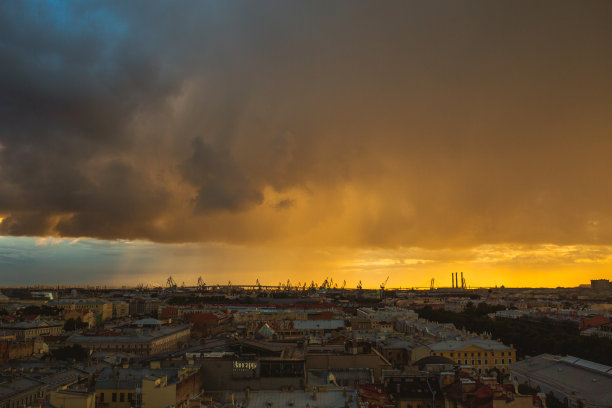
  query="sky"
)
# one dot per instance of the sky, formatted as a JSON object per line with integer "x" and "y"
{"x": 273, "y": 140}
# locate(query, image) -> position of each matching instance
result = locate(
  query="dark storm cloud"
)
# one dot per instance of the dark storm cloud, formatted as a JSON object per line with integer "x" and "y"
{"x": 438, "y": 124}
{"x": 219, "y": 182}
{"x": 284, "y": 204}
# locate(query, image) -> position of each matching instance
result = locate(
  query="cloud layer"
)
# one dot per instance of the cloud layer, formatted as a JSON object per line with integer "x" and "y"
{"x": 315, "y": 124}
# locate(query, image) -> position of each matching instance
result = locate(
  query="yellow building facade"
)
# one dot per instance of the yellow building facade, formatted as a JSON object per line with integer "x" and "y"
{"x": 482, "y": 354}
{"x": 72, "y": 399}
{"x": 96, "y": 306}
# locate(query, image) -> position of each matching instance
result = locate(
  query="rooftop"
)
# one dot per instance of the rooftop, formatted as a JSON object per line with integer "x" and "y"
{"x": 452, "y": 345}
{"x": 280, "y": 399}
{"x": 588, "y": 381}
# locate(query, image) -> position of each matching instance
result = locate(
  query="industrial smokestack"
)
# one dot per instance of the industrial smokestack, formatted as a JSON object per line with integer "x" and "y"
{"x": 456, "y": 280}
{"x": 462, "y": 281}
{"x": 452, "y": 279}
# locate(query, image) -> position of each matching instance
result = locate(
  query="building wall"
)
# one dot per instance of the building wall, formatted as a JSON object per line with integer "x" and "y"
{"x": 189, "y": 387}
{"x": 218, "y": 375}
{"x": 115, "y": 397}
{"x": 157, "y": 393}
{"x": 23, "y": 334}
{"x": 398, "y": 357}
{"x": 522, "y": 401}
{"x": 329, "y": 361}
{"x": 120, "y": 309}
{"x": 10, "y": 350}
{"x": 26, "y": 398}
{"x": 59, "y": 399}
{"x": 102, "y": 309}
{"x": 482, "y": 360}
{"x": 138, "y": 346}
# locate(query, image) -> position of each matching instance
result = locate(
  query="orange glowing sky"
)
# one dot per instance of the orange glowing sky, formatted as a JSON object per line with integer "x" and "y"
{"x": 278, "y": 141}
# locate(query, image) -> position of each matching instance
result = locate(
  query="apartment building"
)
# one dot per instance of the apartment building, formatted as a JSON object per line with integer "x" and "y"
{"x": 483, "y": 355}
{"x": 142, "y": 342}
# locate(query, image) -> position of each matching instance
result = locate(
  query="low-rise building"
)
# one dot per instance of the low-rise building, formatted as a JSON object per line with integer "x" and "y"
{"x": 147, "y": 387}
{"x": 102, "y": 309}
{"x": 21, "y": 392}
{"x": 256, "y": 365}
{"x": 349, "y": 355}
{"x": 573, "y": 381}
{"x": 141, "y": 341}
{"x": 120, "y": 309}
{"x": 144, "y": 306}
{"x": 484, "y": 355}
{"x": 30, "y": 330}
{"x": 72, "y": 399}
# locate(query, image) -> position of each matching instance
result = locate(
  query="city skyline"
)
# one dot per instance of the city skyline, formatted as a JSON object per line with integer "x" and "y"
{"x": 273, "y": 141}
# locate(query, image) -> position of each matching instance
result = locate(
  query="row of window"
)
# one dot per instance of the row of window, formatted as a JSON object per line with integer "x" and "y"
{"x": 503, "y": 353}
{"x": 123, "y": 396}
{"x": 28, "y": 400}
{"x": 503, "y": 361}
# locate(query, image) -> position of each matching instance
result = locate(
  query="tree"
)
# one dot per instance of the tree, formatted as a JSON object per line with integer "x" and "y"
{"x": 525, "y": 389}
{"x": 553, "y": 402}
{"x": 74, "y": 324}
{"x": 74, "y": 352}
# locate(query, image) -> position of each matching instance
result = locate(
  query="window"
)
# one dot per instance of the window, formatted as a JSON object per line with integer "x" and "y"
{"x": 101, "y": 397}
{"x": 479, "y": 362}
{"x": 114, "y": 397}
{"x": 486, "y": 362}
{"x": 503, "y": 361}
{"x": 509, "y": 361}
{"x": 121, "y": 397}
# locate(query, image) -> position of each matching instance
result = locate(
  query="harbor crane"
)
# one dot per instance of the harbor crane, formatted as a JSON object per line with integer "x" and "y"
{"x": 201, "y": 286}
{"x": 382, "y": 287}
{"x": 170, "y": 283}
